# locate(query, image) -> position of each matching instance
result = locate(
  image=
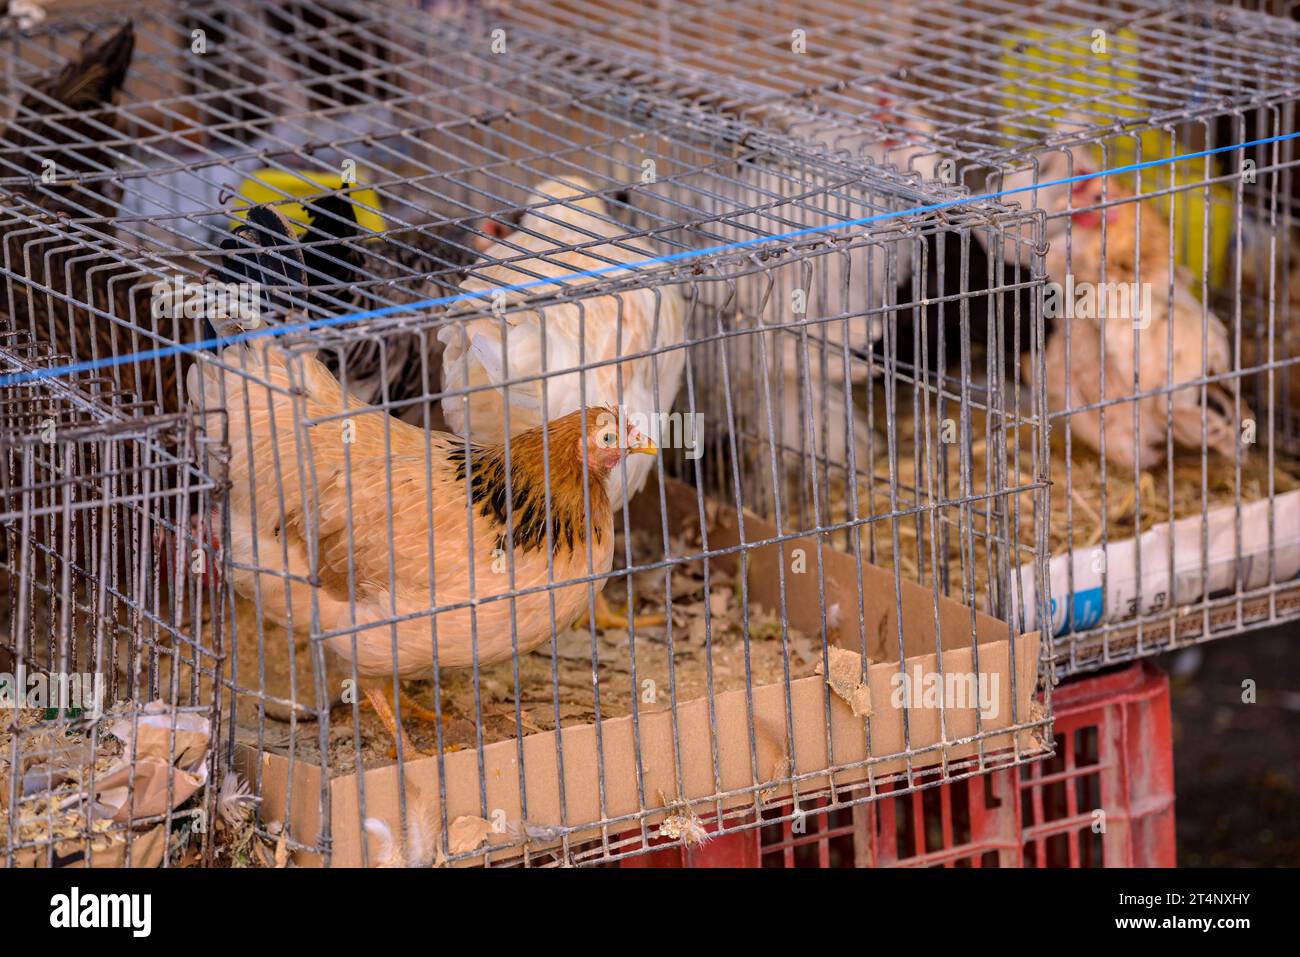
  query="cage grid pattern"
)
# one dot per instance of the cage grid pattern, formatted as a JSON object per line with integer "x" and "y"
{"x": 451, "y": 141}
{"x": 952, "y": 90}
{"x": 1007, "y": 95}
{"x": 95, "y": 491}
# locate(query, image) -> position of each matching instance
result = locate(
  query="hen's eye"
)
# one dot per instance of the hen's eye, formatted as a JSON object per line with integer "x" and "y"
{"x": 608, "y": 440}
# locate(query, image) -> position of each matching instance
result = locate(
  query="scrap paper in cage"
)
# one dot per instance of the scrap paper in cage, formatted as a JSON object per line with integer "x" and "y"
{"x": 1264, "y": 558}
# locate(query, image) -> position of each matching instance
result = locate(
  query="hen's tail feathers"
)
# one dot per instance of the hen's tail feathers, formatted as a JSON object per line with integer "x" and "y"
{"x": 57, "y": 120}
{"x": 272, "y": 256}
{"x": 264, "y": 250}
{"x": 333, "y": 256}
{"x": 333, "y": 217}
{"x": 88, "y": 82}
{"x": 487, "y": 352}
{"x": 267, "y": 374}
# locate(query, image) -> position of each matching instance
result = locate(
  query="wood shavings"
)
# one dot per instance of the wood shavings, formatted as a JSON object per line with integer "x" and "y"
{"x": 526, "y": 721}
{"x": 1037, "y": 713}
{"x": 282, "y": 849}
{"x": 56, "y": 760}
{"x": 241, "y": 845}
{"x": 564, "y": 684}
{"x": 690, "y": 830}
{"x": 845, "y": 679}
{"x": 780, "y": 773}
{"x": 58, "y": 813}
{"x": 773, "y": 740}
{"x": 522, "y": 830}
{"x": 804, "y": 650}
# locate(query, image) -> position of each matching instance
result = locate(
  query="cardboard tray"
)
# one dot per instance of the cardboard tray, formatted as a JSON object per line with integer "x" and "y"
{"x": 1013, "y": 661}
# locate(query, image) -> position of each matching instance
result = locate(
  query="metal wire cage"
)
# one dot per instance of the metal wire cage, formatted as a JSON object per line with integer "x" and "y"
{"x": 448, "y": 233}
{"x": 109, "y": 675}
{"x": 1174, "y": 435}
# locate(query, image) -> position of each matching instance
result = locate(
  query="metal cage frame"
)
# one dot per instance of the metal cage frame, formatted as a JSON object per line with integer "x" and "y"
{"x": 738, "y": 216}
{"x": 95, "y": 493}
{"x": 1004, "y": 96}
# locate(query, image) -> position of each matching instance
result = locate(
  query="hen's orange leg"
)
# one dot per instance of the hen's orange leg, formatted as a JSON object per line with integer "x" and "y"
{"x": 416, "y": 710}
{"x": 381, "y": 700}
{"x": 410, "y": 707}
{"x": 608, "y": 619}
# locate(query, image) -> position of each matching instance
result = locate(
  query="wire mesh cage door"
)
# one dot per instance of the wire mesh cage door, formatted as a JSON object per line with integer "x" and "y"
{"x": 109, "y": 672}
{"x": 713, "y": 538}
{"x": 689, "y": 553}
{"x": 899, "y": 387}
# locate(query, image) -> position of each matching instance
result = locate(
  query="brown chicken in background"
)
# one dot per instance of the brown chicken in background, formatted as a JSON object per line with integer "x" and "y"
{"x": 1178, "y": 333}
{"x": 363, "y": 515}
{"x": 66, "y": 108}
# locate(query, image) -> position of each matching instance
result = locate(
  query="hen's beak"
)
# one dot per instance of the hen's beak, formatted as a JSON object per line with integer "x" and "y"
{"x": 643, "y": 444}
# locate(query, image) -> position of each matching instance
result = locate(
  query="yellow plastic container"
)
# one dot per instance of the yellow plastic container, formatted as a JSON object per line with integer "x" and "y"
{"x": 1045, "y": 69}
{"x": 274, "y": 185}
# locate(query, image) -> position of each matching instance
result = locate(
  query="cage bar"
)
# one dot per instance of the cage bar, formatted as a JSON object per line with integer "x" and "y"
{"x": 109, "y": 699}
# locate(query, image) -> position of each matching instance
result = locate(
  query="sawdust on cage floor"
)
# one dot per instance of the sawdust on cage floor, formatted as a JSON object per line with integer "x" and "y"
{"x": 1130, "y": 507}
{"x": 553, "y": 681}
{"x": 50, "y": 752}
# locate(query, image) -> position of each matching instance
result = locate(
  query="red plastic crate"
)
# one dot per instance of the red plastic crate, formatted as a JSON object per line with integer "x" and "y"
{"x": 1114, "y": 753}
{"x": 738, "y": 849}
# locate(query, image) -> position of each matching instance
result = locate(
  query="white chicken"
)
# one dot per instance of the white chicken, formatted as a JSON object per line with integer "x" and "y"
{"x": 816, "y": 410}
{"x": 871, "y": 286}
{"x": 493, "y": 350}
{"x": 1128, "y": 323}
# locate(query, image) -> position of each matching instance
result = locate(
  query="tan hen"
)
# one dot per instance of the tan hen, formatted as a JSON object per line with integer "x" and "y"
{"x": 1177, "y": 340}
{"x": 359, "y": 507}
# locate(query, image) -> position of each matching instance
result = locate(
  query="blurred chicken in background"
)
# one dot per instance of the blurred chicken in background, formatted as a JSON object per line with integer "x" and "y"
{"x": 62, "y": 113}
{"x": 915, "y": 305}
{"x": 1161, "y": 338}
{"x": 50, "y": 234}
{"x": 814, "y": 404}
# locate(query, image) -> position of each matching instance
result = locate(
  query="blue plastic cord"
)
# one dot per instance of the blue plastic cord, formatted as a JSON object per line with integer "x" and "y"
{"x": 91, "y": 365}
